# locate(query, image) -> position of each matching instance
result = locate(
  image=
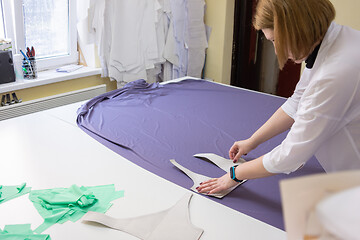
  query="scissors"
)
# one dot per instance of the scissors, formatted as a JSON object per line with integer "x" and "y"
{"x": 30, "y": 53}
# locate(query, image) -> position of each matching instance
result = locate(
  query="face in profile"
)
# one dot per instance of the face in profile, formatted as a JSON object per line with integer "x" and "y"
{"x": 269, "y": 34}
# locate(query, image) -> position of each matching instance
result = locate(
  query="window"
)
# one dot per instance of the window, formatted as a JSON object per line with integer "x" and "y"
{"x": 47, "y": 25}
{"x": 2, "y": 30}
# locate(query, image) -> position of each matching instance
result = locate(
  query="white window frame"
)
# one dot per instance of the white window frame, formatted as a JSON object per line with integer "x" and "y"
{"x": 14, "y": 29}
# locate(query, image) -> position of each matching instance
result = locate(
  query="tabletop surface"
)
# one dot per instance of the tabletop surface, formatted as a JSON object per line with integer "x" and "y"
{"x": 48, "y": 150}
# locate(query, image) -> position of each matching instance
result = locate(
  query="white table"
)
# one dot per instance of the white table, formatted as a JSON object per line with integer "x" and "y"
{"x": 48, "y": 150}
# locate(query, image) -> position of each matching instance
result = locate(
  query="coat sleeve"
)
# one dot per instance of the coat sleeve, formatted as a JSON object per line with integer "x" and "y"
{"x": 322, "y": 108}
{"x": 291, "y": 105}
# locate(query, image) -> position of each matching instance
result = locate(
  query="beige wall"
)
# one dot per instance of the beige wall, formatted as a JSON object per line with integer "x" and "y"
{"x": 220, "y": 17}
{"x": 347, "y": 12}
{"x": 62, "y": 87}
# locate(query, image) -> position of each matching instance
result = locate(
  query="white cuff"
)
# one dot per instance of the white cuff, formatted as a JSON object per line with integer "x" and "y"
{"x": 270, "y": 166}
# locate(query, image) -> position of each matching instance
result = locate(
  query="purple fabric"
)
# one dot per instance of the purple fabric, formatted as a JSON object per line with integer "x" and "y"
{"x": 149, "y": 124}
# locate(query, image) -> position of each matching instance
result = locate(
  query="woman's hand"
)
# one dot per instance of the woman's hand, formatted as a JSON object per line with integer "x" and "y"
{"x": 216, "y": 185}
{"x": 240, "y": 148}
{"x": 278, "y": 123}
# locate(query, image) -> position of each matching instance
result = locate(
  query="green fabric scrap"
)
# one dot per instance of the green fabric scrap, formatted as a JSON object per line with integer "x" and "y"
{"x": 59, "y": 205}
{"x": 21, "y": 232}
{"x": 10, "y": 192}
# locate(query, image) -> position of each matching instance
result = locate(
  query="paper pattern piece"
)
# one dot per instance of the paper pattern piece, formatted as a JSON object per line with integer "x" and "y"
{"x": 173, "y": 223}
{"x": 221, "y": 162}
{"x": 21, "y": 232}
{"x": 59, "y": 205}
{"x": 10, "y": 192}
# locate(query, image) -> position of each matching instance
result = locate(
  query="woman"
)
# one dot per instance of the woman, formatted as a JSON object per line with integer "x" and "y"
{"x": 323, "y": 114}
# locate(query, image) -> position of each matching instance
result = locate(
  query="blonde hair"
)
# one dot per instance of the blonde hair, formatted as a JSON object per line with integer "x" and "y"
{"x": 297, "y": 24}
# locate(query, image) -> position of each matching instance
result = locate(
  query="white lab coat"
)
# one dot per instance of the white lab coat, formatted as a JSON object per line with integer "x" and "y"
{"x": 326, "y": 109}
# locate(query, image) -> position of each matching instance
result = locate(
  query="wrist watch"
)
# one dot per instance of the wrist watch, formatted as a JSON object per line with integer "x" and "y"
{"x": 232, "y": 174}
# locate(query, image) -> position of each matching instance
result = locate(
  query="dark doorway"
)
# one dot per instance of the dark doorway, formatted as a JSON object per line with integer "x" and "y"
{"x": 250, "y": 57}
{"x": 288, "y": 78}
{"x": 243, "y": 69}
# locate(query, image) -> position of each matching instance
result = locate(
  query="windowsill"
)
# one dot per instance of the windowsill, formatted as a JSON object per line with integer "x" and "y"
{"x": 48, "y": 77}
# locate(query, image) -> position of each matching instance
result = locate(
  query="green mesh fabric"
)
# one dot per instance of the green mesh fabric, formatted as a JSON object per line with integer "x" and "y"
{"x": 59, "y": 205}
{"x": 21, "y": 232}
{"x": 10, "y": 192}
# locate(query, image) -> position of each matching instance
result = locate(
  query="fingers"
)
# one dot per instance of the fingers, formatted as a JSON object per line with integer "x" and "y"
{"x": 211, "y": 186}
{"x": 231, "y": 154}
{"x": 233, "y": 151}
{"x": 237, "y": 157}
{"x": 215, "y": 190}
{"x": 236, "y": 151}
{"x": 208, "y": 186}
{"x": 216, "y": 185}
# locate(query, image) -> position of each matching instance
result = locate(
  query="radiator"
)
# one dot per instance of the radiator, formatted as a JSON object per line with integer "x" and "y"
{"x": 23, "y": 108}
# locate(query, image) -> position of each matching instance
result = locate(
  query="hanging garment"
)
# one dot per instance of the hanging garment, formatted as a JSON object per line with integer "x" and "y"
{"x": 21, "y": 232}
{"x": 129, "y": 36}
{"x": 135, "y": 36}
{"x": 96, "y": 27}
{"x": 167, "y": 47}
{"x": 171, "y": 224}
{"x": 196, "y": 40}
{"x": 178, "y": 11}
{"x": 221, "y": 162}
{"x": 9, "y": 192}
{"x": 59, "y": 205}
{"x": 190, "y": 37}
